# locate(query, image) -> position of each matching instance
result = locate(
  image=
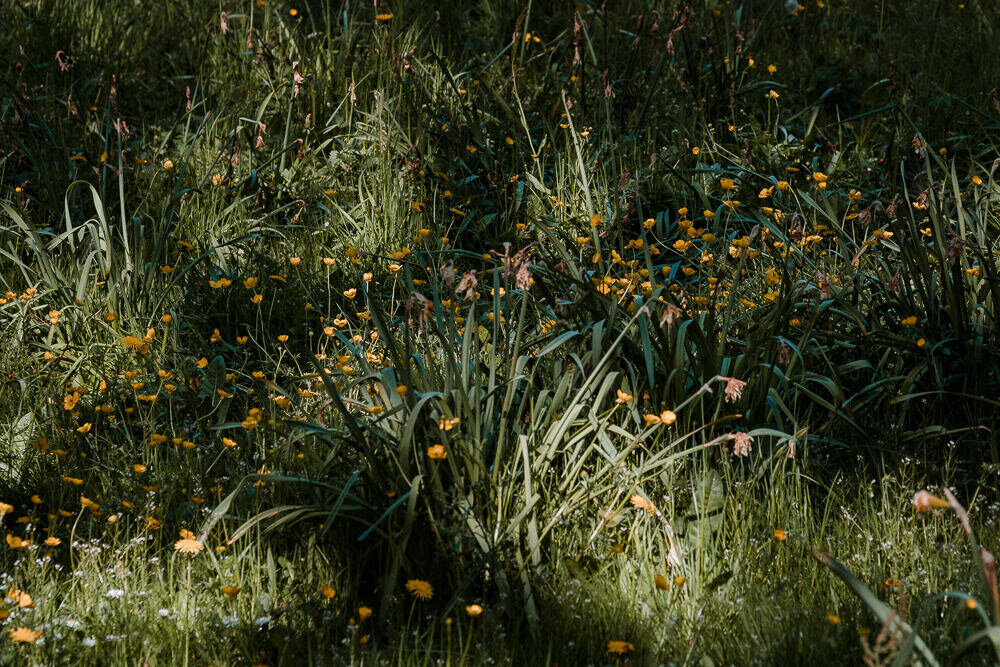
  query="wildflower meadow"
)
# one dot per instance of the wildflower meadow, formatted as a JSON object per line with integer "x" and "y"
{"x": 610, "y": 332}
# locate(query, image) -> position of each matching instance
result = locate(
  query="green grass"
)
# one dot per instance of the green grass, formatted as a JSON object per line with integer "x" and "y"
{"x": 450, "y": 294}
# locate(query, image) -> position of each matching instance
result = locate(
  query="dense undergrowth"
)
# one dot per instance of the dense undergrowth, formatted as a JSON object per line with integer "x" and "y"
{"x": 497, "y": 332}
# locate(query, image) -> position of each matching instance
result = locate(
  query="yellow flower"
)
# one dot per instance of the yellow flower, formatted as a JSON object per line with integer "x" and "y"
{"x": 384, "y": 17}
{"x": 910, "y": 321}
{"x": 23, "y": 635}
{"x": 229, "y": 443}
{"x": 168, "y": 164}
{"x": 20, "y": 598}
{"x": 436, "y": 452}
{"x": 661, "y": 582}
{"x": 231, "y": 591}
{"x": 622, "y": 397}
{"x": 189, "y": 546}
{"x": 620, "y": 647}
{"x": 364, "y": 613}
{"x": 16, "y": 543}
{"x": 773, "y": 94}
{"x": 448, "y": 424}
{"x": 6, "y": 508}
{"x": 727, "y": 184}
{"x": 473, "y": 610}
{"x": 327, "y": 592}
{"x": 833, "y": 619}
{"x": 295, "y": 261}
{"x": 420, "y": 589}
{"x": 779, "y": 535}
{"x": 52, "y": 541}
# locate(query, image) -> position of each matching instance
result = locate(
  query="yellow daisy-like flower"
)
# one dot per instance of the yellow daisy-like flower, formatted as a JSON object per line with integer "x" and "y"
{"x": 132, "y": 342}
{"x": 23, "y": 635}
{"x": 364, "y": 613}
{"x": 188, "y": 546}
{"x": 231, "y": 591}
{"x": 620, "y": 647}
{"x": 420, "y": 589}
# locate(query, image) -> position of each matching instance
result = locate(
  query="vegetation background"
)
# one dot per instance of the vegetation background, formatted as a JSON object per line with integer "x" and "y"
{"x": 447, "y": 333}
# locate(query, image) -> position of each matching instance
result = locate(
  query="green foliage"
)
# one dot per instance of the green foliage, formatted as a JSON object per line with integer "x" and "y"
{"x": 580, "y": 313}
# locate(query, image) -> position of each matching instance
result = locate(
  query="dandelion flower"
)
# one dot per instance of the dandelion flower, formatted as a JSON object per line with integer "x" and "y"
{"x": 437, "y": 452}
{"x": 620, "y": 647}
{"x": 327, "y": 592}
{"x": 188, "y": 546}
{"x": 420, "y": 589}
{"x": 132, "y": 342}
{"x": 23, "y": 635}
